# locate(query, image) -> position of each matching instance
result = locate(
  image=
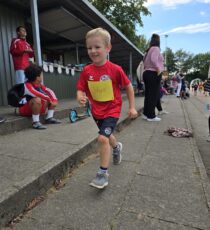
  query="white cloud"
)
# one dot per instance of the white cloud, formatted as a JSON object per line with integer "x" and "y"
{"x": 172, "y": 3}
{"x": 190, "y": 29}
{"x": 203, "y": 13}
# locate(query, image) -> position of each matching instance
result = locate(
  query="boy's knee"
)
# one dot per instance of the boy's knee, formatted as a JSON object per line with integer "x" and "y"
{"x": 103, "y": 140}
{"x": 36, "y": 100}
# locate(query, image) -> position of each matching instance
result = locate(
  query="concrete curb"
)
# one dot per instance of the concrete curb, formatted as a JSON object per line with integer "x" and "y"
{"x": 19, "y": 123}
{"x": 198, "y": 160}
{"x": 15, "y": 202}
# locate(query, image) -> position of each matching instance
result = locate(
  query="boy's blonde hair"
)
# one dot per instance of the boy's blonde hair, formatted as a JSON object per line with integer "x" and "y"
{"x": 100, "y": 32}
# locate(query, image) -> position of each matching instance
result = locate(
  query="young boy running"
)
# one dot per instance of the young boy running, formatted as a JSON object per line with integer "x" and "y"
{"x": 101, "y": 83}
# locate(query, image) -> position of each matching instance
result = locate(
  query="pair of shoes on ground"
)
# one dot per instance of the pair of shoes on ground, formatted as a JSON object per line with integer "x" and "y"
{"x": 150, "y": 119}
{"x": 101, "y": 179}
{"x": 39, "y": 125}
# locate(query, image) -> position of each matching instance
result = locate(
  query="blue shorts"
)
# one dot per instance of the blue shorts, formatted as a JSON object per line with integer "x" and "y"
{"x": 20, "y": 76}
{"x": 106, "y": 126}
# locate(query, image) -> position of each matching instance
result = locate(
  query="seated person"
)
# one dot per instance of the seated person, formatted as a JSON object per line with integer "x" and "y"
{"x": 38, "y": 98}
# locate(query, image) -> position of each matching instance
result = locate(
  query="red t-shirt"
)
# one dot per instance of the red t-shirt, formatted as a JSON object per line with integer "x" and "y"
{"x": 101, "y": 110}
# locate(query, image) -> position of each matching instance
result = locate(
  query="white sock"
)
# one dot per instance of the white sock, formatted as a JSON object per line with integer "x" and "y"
{"x": 35, "y": 118}
{"x": 50, "y": 113}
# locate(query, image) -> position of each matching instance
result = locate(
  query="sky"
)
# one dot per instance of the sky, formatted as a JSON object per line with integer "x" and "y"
{"x": 186, "y": 22}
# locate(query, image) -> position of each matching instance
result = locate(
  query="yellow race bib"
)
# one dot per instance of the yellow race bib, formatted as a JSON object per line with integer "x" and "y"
{"x": 101, "y": 90}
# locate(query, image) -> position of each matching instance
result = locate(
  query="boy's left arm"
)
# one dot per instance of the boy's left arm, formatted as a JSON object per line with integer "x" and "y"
{"x": 51, "y": 94}
{"x": 132, "y": 113}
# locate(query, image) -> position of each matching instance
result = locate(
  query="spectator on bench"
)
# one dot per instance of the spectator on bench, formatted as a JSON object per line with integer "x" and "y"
{"x": 39, "y": 98}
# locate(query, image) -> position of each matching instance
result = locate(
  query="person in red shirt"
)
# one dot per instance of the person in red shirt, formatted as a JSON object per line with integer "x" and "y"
{"x": 21, "y": 51}
{"x": 38, "y": 98}
{"x": 101, "y": 83}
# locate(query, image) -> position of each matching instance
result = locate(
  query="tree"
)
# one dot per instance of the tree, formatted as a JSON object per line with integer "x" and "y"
{"x": 199, "y": 65}
{"x": 124, "y": 14}
{"x": 170, "y": 60}
{"x": 142, "y": 43}
{"x": 181, "y": 60}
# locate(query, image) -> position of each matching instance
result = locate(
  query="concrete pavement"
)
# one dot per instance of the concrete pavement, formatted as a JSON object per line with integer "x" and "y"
{"x": 32, "y": 161}
{"x": 160, "y": 184}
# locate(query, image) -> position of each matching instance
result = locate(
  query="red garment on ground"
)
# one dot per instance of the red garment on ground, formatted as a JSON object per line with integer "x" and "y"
{"x": 109, "y": 70}
{"x": 20, "y": 58}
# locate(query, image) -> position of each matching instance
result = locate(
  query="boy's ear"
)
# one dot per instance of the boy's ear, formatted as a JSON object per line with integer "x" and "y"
{"x": 109, "y": 47}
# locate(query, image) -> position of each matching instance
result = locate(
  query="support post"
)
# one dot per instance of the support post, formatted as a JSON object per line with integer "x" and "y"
{"x": 36, "y": 35}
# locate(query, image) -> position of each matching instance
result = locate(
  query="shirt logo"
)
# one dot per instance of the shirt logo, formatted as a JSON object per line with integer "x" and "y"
{"x": 90, "y": 78}
{"x": 105, "y": 77}
{"x": 108, "y": 131}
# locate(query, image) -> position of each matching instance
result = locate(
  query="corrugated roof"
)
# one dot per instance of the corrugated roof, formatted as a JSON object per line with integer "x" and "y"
{"x": 70, "y": 20}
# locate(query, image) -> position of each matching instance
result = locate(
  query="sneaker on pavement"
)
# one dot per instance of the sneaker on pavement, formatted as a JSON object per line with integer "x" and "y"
{"x": 117, "y": 154}
{"x": 208, "y": 138}
{"x": 144, "y": 117}
{"x": 163, "y": 112}
{"x": 38, "y": 125}
{"x": 52, "y": 120}
{"x": 2, "y": 119}
{"x": 154, "y": 119}
{"x": 100, "y": 181}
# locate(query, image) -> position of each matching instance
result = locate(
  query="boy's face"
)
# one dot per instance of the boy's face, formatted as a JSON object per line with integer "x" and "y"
{"x": 40, "y": 78}
{"x": 22, "y": 33}
{"x": 97, "y": 50}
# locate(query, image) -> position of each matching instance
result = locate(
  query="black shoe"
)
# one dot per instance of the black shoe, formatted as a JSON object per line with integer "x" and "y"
{"x": 52, "y": 120}
{"x": 2, "y": 119}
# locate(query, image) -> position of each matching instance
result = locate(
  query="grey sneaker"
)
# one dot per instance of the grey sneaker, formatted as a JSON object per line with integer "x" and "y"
{"x": 100, "y": 181}
{"x": 52, "y": 120}
{"x": 38, "y": 125}
{"x": 117, "y": 156}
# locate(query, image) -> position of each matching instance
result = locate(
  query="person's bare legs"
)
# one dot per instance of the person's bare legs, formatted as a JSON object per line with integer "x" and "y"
{"x": 36, "y": 105}
{"x": 112, "y": 141}
{"x": 104, "y": 150}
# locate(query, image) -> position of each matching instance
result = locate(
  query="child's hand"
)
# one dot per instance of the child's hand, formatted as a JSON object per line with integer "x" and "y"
{"x": 53, "y": 103}
{"x": 132, "y": 113}
{"x": 82, "y": 100}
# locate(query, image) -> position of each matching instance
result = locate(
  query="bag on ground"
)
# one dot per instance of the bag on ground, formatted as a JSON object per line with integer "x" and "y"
{"x": 15, "y": 95}
{"x": 140, "y": 71}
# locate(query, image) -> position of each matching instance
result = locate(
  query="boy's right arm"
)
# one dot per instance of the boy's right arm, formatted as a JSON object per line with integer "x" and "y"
{"x": 81, "y": 97}
{"x": 17, "y": 48}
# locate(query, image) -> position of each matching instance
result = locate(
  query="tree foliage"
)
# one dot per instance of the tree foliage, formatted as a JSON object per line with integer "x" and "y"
{"x": 200, "y": 65}
{"x": 124, "y": 14}
{"x": 193, "y": 66}
{"x": 142, "y": 43}
{"x": 170, "y": 60}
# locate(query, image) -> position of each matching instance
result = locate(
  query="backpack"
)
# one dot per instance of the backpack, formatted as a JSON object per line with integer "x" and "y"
{"x": 15, "y": 95}
{"x": 140, "y": 71}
